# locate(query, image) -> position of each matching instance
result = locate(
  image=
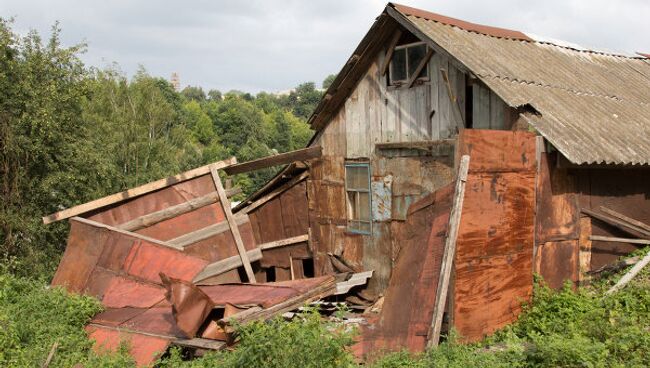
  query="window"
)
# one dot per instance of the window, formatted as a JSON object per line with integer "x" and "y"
{"x": 405, "y": 61}
{"x": 357, "y": 187}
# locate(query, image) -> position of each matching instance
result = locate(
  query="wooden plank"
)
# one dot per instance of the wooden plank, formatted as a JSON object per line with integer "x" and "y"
{"x": 199, "y": 343}
{"x": 275, "y": 160}
{"x": 449, "y": 253}
{"x": 281, "y": 189}
{"x": 421, "y": 66}
{"x": 619, "y": 224}
{"x": 173, "y": 211}
{"x": 618, "y": 240}
{"x": 425, "y": 144}
{"x": 232, "y": 222}
{"x": 389, "y": 53}
{"x": 227, "y": 264}
{"x": 285, "y": 242}
{"x": 120, "y": 231}
{"x": 206, "y": 232}
{"x": 453, "y": 100}
{"x": 135, "y": 192}
{"x": 630, "y": 275}
{"x": 622, "y": 217}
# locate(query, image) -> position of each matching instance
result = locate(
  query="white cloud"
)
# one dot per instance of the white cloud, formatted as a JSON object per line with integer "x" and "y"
{"x": 274, "y": 45}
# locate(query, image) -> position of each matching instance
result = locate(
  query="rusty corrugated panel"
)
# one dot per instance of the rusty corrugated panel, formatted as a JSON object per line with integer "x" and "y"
{"x": 493, "y": 265}
{"x": 410, "y": 297}
{"x": 594, "y": 107}
{"x": 295, "y": 216}
{"x": 472, "y": 27}
{"x": 185, "y": 223}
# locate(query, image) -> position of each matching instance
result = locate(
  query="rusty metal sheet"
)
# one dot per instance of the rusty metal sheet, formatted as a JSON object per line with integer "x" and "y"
{"x": 408, "y": 305}
{"x": 558, "y": 261}
{"x": 295, "y": 216}
{"x": 557, "y": 203}
{"x": 185, "y": 223}
{"x": 123, "y": 292}
{"x": 80, "y": 257}
{"x": 144, "y": 349}
{"x": 279, "y": 257}
{"x": 493, "y": 265}
{"x": 147, "y": 261}
{"x": 222, "y": 245}
{"x": 488, "y": 293}
{"x": 497, "y": 216}
{"x": 498, "y": 150}
{"x": 154, "y": 201}
{"x": 265, "y": 295}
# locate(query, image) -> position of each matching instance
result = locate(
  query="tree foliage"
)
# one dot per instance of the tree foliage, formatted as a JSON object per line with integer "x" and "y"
{"x": 69, "y": 134}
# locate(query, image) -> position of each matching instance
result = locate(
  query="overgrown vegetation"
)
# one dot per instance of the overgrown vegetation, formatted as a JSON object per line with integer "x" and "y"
{"x": 564, "y": 328}
{"x": 70, "y": 133}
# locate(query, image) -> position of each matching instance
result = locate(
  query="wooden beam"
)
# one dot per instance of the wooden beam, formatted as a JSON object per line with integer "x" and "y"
{"x": 127, "y": 233}
{"x": 232, "y": 222}
{"x": 617, "y": 223}
{"x": 199, "y": 343}
{"x": 134, "y": 192}
{"x": 618, "y": 240}
{"x": 449, "y": 253}
{"x": 285, "y": 242}
{"x": 281, "y": 189}
{"x": 173, "y": 211}
{"x": 227, "y": 264}
{"x": 426, "y": 144}
{"x": 391, "y": 50}
{"x": 630, "y": 275}
{"x": 620, "y": 216}
{"x": 418, "y": 70}
{"x": 275, "y": 160}
{"x": 458, "y": 116}
{"x": 201, "y": 234}
{"x": 256, "y": 313}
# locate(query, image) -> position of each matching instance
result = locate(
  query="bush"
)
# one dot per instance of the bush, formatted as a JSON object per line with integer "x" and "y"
{"x": 33, "y": 317}
{"x": 305, "y": 342}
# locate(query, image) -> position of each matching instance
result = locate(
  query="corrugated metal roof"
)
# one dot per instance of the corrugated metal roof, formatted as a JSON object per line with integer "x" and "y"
{"x": 594, "y": 106}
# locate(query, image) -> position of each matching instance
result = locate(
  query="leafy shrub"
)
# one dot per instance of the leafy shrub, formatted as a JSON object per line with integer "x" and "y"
{"x": 305, "y": 342}
{"x": 33, "y": 317}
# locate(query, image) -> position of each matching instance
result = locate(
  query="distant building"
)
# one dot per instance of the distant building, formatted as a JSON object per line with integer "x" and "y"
{"x": 175, "y": 81}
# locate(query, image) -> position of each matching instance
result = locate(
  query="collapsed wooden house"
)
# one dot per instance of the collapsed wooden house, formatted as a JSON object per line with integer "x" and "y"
{"x": 453, "y": 160}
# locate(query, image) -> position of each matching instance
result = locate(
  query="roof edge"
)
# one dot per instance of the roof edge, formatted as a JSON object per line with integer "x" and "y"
{"x": 467, "y": 26}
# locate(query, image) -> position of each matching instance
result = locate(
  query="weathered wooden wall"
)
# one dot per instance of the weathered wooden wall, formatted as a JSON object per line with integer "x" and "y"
{"x": 493, "y": 264}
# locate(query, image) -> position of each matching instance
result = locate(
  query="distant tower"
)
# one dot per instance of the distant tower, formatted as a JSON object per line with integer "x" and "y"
{"x": 176, "y": 82}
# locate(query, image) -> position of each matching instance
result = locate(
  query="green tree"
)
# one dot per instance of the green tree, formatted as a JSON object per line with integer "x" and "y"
{"x": 327, "y": 82}
{"x": 194, "y": 93}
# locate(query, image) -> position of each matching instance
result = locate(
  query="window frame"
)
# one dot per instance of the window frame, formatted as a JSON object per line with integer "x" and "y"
{"x": 350, "y": 220}
{"x": 401, "y": 82}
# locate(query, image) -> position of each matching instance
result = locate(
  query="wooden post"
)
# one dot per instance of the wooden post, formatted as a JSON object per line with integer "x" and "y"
{"x": 449, "y": 253}
{"x": 630, "y": 275}
{"x": 234, "y": 229}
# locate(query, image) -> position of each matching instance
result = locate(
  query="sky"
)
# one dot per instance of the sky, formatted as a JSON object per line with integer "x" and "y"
{"x": 274, "y": 45}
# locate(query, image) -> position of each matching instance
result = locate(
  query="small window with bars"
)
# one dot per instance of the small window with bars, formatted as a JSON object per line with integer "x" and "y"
{"x": 357, "y": 187}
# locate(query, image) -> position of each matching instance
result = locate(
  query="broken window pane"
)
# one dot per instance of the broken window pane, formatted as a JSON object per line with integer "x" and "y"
{"x": 415, "y": 56}
{"x": 398, "y": 66}
{"x": 357, "y": 184}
